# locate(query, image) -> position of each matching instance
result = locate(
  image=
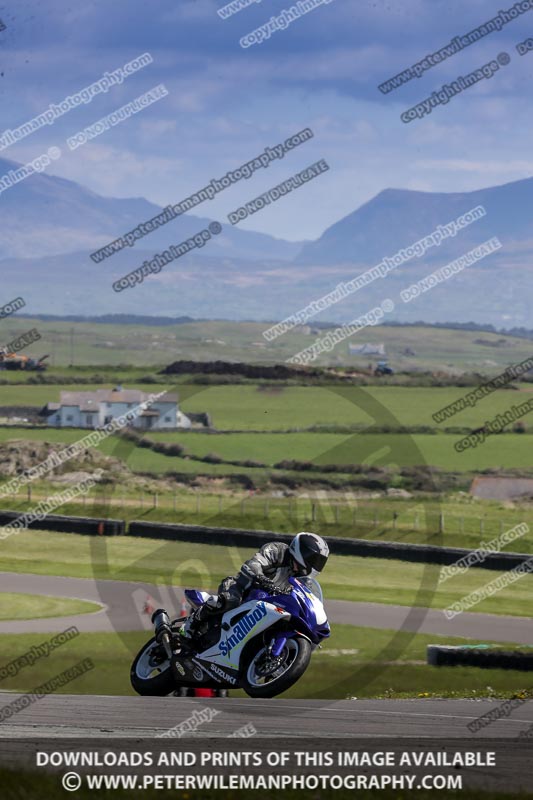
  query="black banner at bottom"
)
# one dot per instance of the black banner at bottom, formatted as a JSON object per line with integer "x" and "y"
{"x": 187, "y": 766}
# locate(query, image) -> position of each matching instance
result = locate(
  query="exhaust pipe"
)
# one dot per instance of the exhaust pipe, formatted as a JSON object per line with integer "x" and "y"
{"x": 163, "y": 630}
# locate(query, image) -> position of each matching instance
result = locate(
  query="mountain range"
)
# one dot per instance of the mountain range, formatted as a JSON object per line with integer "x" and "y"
{"x": 51, "y": 225}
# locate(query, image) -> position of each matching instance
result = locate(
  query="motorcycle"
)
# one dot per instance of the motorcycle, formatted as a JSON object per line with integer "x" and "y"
{"x": 264, "y": 646}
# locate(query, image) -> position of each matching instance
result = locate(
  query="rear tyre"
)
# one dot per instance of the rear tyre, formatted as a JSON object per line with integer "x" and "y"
{"x": 261, "y": 678}
{"x": 151, "y": 671}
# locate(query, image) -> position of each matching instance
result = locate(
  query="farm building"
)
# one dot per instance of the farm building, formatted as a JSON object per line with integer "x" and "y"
{"x": 366, "y": 349}
{"x": 501, "y": 488}
{"x": 97, "y": 408}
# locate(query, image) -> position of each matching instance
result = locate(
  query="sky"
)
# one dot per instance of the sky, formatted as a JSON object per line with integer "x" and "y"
{"x": 226, "y": 104}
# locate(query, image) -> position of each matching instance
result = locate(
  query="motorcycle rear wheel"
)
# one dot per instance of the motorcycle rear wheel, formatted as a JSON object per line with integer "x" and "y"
{"x": 149, "y": 675}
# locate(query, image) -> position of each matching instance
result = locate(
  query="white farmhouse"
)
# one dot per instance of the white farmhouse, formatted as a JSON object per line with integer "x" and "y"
{"x": 95, "y": 409}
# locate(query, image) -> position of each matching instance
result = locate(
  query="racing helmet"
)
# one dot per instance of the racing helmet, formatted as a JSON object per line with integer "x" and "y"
{"x": 309, "y": 551}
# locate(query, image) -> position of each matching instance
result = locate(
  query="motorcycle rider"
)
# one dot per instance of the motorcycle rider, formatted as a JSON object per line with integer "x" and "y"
{"x": 269, "y": 569}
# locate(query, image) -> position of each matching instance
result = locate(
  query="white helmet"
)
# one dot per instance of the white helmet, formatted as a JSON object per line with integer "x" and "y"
{"x": 310, "y": 551}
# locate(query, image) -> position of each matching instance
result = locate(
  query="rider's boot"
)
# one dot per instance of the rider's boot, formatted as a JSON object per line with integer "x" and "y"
{"x": 197, "y": 623}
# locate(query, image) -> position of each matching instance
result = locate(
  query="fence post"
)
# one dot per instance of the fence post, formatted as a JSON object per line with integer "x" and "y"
{"x": 354, "y": 515}
{"x": 29, "y": 493}
{"x": 441, "y": 522}
{"x": 142, "y": 499}
{"x": 336, "y": 512}
{"x": 197, "y": 503}
{"x": 482, "y": 526}
{"x": 313, "y": 512}
{"x": 416, "y": 521}
{"x": 242, "y": 506}
{"x": 155, "y": 500}
{"x": 394, "y": 518}
{"x": 266, "y": 508}
{"x": 174, "y": 502}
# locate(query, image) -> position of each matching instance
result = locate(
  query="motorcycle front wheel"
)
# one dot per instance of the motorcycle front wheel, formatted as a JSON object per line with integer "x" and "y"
{"x": 266, "y": 677}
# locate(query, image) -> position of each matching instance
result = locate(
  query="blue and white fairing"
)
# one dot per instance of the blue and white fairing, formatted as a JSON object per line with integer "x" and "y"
{"x": 302, "y": 613}
{"x": 306, "y": 606}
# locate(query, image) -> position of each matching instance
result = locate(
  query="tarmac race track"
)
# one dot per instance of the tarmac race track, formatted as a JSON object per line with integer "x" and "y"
{"x": 105, "y": 718}
{"x": 102, "y": 716}
{"x": 123, "y": 610}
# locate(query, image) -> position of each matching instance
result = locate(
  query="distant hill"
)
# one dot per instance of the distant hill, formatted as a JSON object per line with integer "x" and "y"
{"x": 51, "y": 225}
{"x": 45, "y": 215}
{"x": 396, "y": 218}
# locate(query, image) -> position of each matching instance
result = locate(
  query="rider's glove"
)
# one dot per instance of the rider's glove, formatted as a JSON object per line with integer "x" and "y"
{"x": 285, "y": 589}
{"x": 267, "y": 585}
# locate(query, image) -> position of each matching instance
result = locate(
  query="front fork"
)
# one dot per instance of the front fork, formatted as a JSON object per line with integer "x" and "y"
{"x": 276, "y": 645}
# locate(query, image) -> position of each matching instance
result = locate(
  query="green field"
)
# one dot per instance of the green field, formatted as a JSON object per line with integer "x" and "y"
{"x": 378, "y": 663}
{"x": 300, "y": 407}
{"x": 26, "y": 606}
{"x": 85, "y": 343}
{"x": 184, "y": 563}
{"x": 404, "y": 450}
{"x": 505, "y": 451}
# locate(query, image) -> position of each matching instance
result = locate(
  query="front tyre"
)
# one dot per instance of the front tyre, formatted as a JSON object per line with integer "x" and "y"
{"x": 267, "y": 677}
{"x": 151, "y": 672}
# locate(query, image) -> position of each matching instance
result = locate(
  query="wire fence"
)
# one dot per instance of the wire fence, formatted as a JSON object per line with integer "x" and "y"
{"x": 352, "y": 517}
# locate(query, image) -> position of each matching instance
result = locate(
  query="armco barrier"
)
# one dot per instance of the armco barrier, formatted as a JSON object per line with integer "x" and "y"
{"x": 200, "y": 534}
{"x": 61, "y": 524}
{"x": 483, "y": 656}
{"x": 427, "y": 554}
